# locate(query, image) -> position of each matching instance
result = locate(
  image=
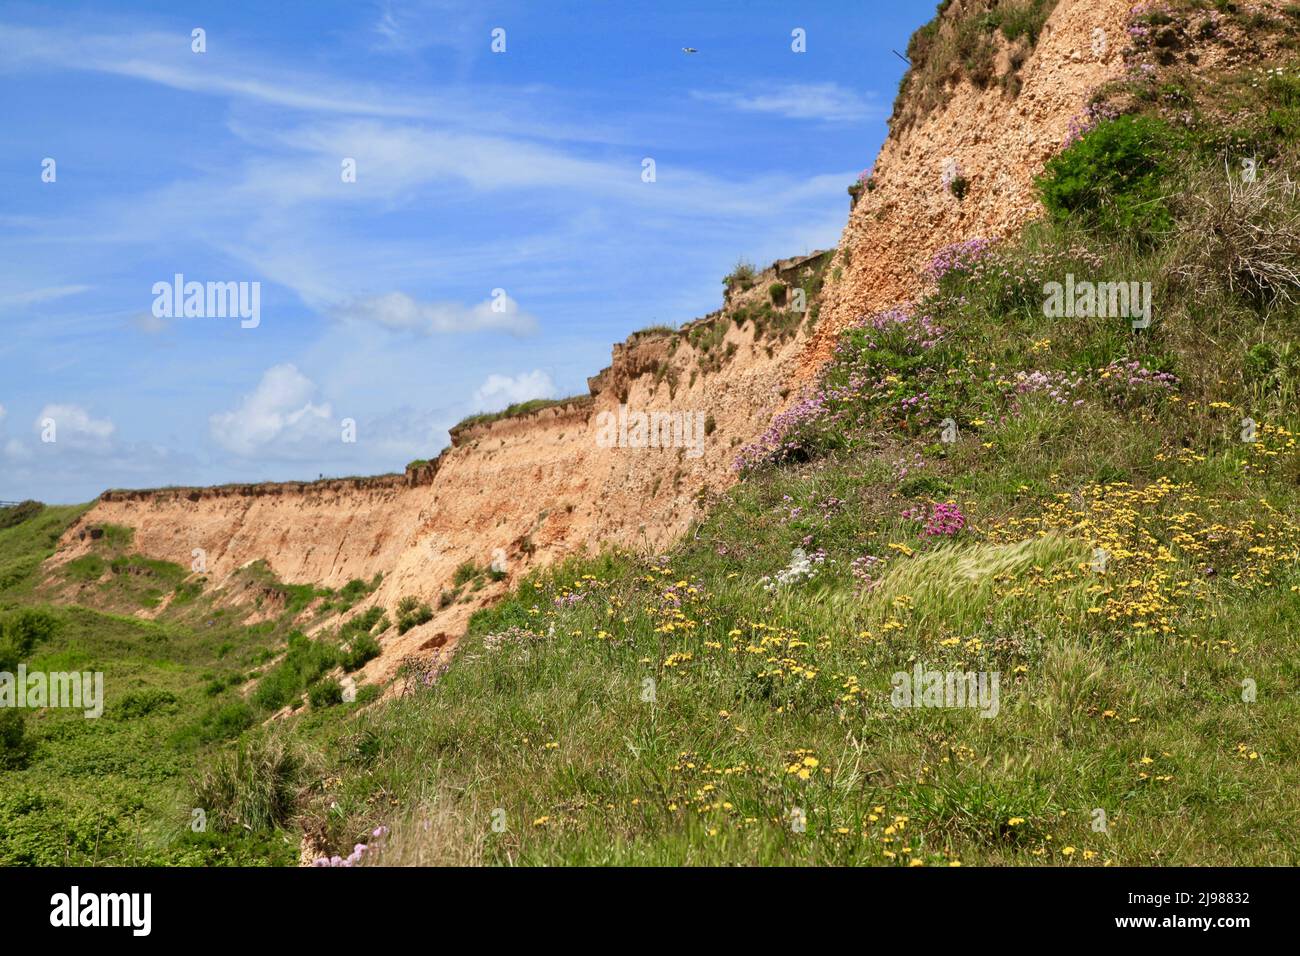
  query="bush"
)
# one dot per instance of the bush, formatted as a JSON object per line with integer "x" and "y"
{"x": 15, "y": 746}
{"x": 465, "y": 572}
{"x": 777, "y": 291}
{"x": 142, "y": 703}
{"x": 304, "y": 663}
{"x": 1112, "y": 179}
{"x": 325, "y": 693}
{"x": 361, "y": 649}
{"x": 226, "y": 721}
{"x": 21, "y": 632}
{"x": 741, "y": 276}
{"x": 412, "y": 613}
{"x": 255, "y": 787}
{"x": 16, "y": 515}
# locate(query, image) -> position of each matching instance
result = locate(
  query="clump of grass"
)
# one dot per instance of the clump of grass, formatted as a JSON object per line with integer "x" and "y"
{"x": 1244, "y": 235}
{"x": 256, "y": 786}
{"x": 741, "y": 278}
{"x": 515, "y": 410}
{"x": 412, "y": 612}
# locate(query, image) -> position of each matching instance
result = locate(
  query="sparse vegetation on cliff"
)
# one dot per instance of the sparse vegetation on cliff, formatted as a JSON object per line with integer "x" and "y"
{"x": 515, "y": 410}
{"x": 962, "y": 42}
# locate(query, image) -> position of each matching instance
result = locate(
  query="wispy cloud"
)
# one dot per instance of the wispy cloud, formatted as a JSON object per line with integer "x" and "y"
{"x": 37, "y": 296}
{"x": 166, "y": 59}
{"x": 828, "y": 102}
{"x": 397, "y": 310}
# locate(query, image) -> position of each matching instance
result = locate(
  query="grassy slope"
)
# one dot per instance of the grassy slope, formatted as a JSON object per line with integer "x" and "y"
{"x": 116, "y": 790}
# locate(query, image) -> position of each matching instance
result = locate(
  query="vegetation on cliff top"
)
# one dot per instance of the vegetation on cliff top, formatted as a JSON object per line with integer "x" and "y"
{"x": 962, "y": 42}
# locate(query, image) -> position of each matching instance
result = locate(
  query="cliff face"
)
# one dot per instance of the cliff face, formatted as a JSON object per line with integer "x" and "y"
{"x": 999, "y": 143}
{"x": 517, "y": 491}
{"x": 531, "y": 489}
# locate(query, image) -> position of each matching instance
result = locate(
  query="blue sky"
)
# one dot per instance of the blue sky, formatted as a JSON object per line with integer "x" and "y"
{"x": 476, "y": 171}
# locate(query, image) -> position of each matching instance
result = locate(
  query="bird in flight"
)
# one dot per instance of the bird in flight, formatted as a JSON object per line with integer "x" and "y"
{"x": 689, "y": 49}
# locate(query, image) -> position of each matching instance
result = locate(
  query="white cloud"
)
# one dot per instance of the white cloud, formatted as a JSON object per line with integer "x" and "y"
{"x": 408, "y": 26}
{"x": 37, "y": 296}
{"x": 812, "y": 101}
{"x": 74, "y": 427}
{"x": 498, "y": 391}
{"x": 149, "y": 323}
{"x": 397, "y": 310}
{"x": 17, "y": 451}
{"x": 157, "y": 57}
{"x": 277, "y": 418}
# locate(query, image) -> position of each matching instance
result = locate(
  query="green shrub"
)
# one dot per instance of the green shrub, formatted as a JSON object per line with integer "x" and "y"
{"x": 16, "y": 515}
{"x": 362, "y": 623}
{"x": 21, "y": 632}
{"x": 777, "y": 292}
{"x": 142, "y": 703}
{"x": 226, "y": 721}
{"x": 304, "y": 663}
{"x": 361, "y": 649}
{"x": 254, "y": 787}
{"x": 1024, "y": 20}
{"x": 415, "y": 614}
{"x": 325, "y": 693}
{"x": 15, "y": 746}
{"x": 1112, "y": 180}
{"x": 742, "y": 276}
{"x": 465, "y": 572}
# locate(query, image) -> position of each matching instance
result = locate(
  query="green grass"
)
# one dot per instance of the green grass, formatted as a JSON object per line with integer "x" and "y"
{"x": 118, "y": 790}
{"x": 515, "y": 410}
